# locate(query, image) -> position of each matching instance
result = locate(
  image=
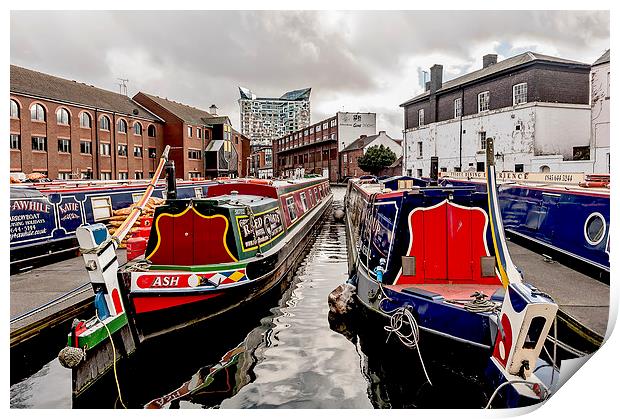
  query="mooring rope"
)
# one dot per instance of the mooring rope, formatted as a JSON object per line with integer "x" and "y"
{"x": 529, "y": 383}
{"x": 61, "y": 299}
{"x": 118, "y": 387}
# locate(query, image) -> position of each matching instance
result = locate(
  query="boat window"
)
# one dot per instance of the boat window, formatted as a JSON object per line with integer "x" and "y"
{"x": 198, "y": 192}
{"x": 135, "y": 197}
{"x": 102, "y": 207}
{"x": 533, "y": 332}
{"x": 290, "y": 206}
{"x": 304, "y": 202}
{"x": 594, "y": 228}
{"x": 316, "y": 195}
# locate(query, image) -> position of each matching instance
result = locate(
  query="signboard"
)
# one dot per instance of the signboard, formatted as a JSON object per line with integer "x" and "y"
{"x": 31, "y": 219}
{"x": 267, "y": 226}
{"x": 567, "y": 178}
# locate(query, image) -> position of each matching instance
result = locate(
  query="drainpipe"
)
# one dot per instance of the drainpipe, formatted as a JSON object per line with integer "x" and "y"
{"x": 97, "y": 169}
{"x": 113, "y": 146}
{"x": 461, "y": 130}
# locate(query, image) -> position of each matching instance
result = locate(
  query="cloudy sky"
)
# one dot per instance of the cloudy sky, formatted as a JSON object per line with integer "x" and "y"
{"x": 354, "y": 61}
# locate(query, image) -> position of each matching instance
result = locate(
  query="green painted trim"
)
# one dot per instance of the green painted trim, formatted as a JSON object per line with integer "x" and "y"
{"x": 100, "y": 335}
{"x": 197, "y": 268}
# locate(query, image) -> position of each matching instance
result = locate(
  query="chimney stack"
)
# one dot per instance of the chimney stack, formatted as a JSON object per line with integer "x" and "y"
{"x": 213, "y": 110}
{"x": 436, "y": 78}
{"x": 489, "y": 60}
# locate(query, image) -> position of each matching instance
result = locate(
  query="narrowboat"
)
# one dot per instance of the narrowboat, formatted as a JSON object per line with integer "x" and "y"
{"x": 44, "y": 216}
{"x": 433, "y": 259}
{"x": 204, "y": 257}
{"x": 566, "y": 213}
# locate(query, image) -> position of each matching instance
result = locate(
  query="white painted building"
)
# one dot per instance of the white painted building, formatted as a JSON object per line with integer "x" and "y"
{"x": 536, "y": 108}
{"x": 600, "y": 100}
{"x": 530, "y": 137}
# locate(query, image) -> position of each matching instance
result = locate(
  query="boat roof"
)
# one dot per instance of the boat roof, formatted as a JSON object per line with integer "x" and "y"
{"x": 236, "y": 200}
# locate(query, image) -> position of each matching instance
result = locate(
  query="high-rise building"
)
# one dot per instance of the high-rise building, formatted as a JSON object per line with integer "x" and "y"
{"x": 265, "y": 119}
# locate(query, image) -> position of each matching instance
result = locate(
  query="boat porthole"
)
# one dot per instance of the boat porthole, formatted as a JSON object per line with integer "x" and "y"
{"x": 594, "y": 228}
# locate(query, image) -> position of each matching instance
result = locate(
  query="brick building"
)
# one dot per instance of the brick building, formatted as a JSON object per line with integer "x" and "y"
{"x": 261, "y": 163}
{"x": 202, "y": 143}
{"x": 536, "y": 107}
{"x": 355, "y": 150}
{"x": 242, "y": 146}
{"x": 315, "y": 149}
{"x": 70, "y": 130}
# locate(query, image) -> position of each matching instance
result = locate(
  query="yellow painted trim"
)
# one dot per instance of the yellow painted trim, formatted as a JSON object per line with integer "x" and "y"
{"x": 262, "y": 244}
{"x": 502, "y": 272}
{"x": 203, "y": 216}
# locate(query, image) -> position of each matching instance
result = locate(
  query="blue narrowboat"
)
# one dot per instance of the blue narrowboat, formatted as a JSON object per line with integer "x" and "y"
{"x": 571, "y": 218}
{"x": 45, "y": 216}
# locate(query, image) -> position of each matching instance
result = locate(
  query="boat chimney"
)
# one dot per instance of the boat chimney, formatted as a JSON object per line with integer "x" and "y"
{"x": 171, "y": 192}
{"x": 434, "y": 170}
{"x": 490, "y": 152}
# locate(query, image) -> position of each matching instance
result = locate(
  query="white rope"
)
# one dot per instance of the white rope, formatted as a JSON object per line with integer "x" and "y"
{"x": 399, "y": 317}
{"x": 545, "y": 394}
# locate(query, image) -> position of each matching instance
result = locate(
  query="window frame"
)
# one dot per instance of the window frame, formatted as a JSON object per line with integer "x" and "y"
{"x": 90, "y": 147}
{"x": 36, "y": 106}
{"x": 44, "y": 142}
{"x": 107, "y": 147}
{"x": 83, "y": 115}
{"x": 19, "y": 141}
{"x": 482, "y": 141}
{"x": 522, "y": 94}
{"x": 458, "y": 108}
{"x": 148, "y": 131}
{"x": 139, "y": 130}
{"x": 118, "y": 126}
{"x": 64, "y": 141}
{"x": 481, "y": 95}
{"x": 17, "y": 109}
{"x": 118, "y": 149}
{"x": 62, "y": 111}
{"x": 421, "y": 117}
{"x": 104, "y": 117}
{"x": 139, "y": 150}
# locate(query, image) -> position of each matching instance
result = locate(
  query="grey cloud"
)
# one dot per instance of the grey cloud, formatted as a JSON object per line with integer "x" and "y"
{"x": 199, "y": 57}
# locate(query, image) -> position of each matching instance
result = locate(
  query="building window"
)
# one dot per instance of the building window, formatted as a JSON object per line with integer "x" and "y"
{"x": 64, "y": 175}
{"x": 86, "y": 174}
{"x": 122, "y": 150}
{"x": 39, "y": 144}
{"x": 16, "y": 143}
{"x": 37, "y": 112}
{"x": 420, "y": 149}
{"x": 420, "y": 117}
{"x": 480, "y": 166}
{"x": 519, "y": 168}
{"x": 458, "y": 108}
{"x": 325, "y": 125}
{"x": 104, "y": 123}
{"x": 139, "y": 175}
{"x": 152, "y": 153}
{"x": 84, "y": 120}
{"x": 198, "y": 133}
{"x": 189, "y": 132}
{"x": 482, "y": 136}
{"x": 151, "y": 174}
{"x": 104, "y": 149}
{"x": 344, "y": 157}
{"x": 137, "y": 128}
{"x": 193, "y": 154}
{"x": 483, "y": 101}
{"x": 85, "y": 147}
{"x": 151, "y": 130}
{"x": 62, "y": 116}
{"x": 121, "y": 126}
{"x": 317, "y": 128}
{"x": 206, "y": 135}
{"x": 14, "y": 109}
{"x": 419, "y": 171}
{"x": 332, "y": 123}
{"x": 194, "y": 175}
{"x": 105, "y": 176}
{"x": 64, "y": 145}
{"x": 123, "y": 175}
{"x": 137, "y": 151}
{"x": 519, "y": 93}
{"x": 305, "y": 132}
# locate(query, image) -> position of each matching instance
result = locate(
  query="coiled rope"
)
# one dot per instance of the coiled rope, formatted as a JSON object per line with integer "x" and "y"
{"x": 399, "y": 317}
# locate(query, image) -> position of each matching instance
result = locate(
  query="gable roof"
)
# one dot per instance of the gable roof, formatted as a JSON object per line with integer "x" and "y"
{"x": 509, "y": 63}
{"x": 45, "y": 86}
{"x": 360, "y": 143}
{"x": 602, "y": 59}
{"x": 185, "y": 112}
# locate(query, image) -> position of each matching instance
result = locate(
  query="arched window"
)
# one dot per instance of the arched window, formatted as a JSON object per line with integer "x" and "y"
{"x": 14, "y": 109}
{"x": 37, "y": 112}
{"x": 137, "y": 128}
{"x": 122, "y": 126}
{"x": 545, "y": 169}
{"x": 84, "y": 120}
{"x": 104, "y": 123}
{"x": 151, "y": 131}
{"x": 62, "y": 116}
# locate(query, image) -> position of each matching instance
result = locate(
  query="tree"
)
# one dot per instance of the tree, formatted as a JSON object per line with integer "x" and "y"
{"x": 375, "y": 159}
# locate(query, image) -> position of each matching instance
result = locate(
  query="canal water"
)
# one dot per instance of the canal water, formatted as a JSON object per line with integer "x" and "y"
{"x": 282, "y": 352}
